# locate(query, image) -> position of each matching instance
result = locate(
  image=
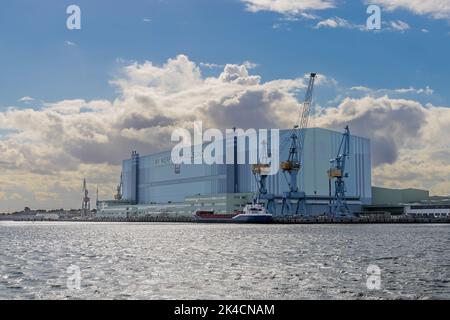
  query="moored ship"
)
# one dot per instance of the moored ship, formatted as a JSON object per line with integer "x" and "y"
{"x": 252, "y": 213}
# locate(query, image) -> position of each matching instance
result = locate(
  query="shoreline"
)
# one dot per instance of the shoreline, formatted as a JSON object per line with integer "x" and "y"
{"x": 276, "y": 220}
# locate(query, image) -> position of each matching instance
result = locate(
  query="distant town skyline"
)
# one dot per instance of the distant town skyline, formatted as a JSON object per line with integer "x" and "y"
{"x": 75, "y": 103}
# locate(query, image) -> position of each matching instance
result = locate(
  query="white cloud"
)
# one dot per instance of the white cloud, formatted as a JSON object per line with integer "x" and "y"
{"x": 239, "y": 75}
{"x": 338, "y": 22}
{"x": 408, "y": 149}
{"x": 210, "y": 65}
{"x": 50, "y": 149}
{"x": 361, "y": 88}
{"x": 70, "y": 43}
{"x": 309, "y": 16}
{"x": 146, "y": 20}
{"x": 377, "y": 92}
{"x": 247, "y": 64}
{"x": 26, "y": 99}
{"x": 335, "y": 22}
{"x": 427, "y": 90}
{"x": 438, "y": 9}
{"x": 250, "y": 65}
{"x": 322, "y": 79}
{"x": 399, "y": 25}
{"x": 288, "y": 7}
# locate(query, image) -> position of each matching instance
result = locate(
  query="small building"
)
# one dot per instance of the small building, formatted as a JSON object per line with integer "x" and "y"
{"x": 428, "y": 210}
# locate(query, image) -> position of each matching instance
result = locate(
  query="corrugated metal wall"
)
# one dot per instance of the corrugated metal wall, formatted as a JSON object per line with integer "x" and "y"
{"x": 127, "y": 180}
{"x": 162, "y": 182}
{"x": 321, "y": 145}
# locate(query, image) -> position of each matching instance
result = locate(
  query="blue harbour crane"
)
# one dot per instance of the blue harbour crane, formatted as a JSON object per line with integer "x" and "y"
{"x": 292, "y": 166}
{"x": 260, "y": 172}
{"x": 338, "y": 202}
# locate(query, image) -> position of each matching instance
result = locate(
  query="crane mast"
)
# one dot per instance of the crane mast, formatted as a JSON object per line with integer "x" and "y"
{"x": 292, "y": 166}
{"x": 338, "y": 203}
{"x": 86, "y": 204}
{"x": 260, "y": 172}
{"x": 118, "y": 195}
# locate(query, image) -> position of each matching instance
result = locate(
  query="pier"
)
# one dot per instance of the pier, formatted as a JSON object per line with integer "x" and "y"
{"x": 276, "y": 220}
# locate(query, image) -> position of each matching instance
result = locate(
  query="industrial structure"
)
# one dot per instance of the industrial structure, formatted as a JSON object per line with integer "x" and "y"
{"x": 293, "y": 197}
{"x": 261, "y": 171}
{"x": 338, "y": 202}
{"x": 118, "y": 195}
{"x": 415, "y": 203}
{"x": 389, "y": 196}
{"x": 152, "y": 184}
{"x": 293, "y": 200}
{"x": 86, "y": 204}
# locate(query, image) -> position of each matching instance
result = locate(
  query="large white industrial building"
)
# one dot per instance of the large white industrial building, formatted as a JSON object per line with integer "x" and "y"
{"x": 153, "y": 184}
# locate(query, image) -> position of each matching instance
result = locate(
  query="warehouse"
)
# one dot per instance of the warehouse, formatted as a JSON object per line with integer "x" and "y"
{"x": 153, "y": 184}
{"x": 428, "y": 211}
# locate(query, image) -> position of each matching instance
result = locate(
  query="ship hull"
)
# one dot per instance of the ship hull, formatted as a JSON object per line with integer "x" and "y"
{"x": 252, "y": 218}
{"x": 210, "y": 217}
{"x": 240, "y": 218}
{"x": 251, "y": 214}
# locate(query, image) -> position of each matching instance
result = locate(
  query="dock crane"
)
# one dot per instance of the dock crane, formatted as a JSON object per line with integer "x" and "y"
{"x": 338, "y": 203}
{"x": 260, "y": 172}
{"x": 118, "y": 195}
{"x": 86, "y": 204}
{"x": 292, "y": 166}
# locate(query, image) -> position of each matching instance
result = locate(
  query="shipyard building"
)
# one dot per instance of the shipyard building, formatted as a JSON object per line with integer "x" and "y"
{"x": 153, "y": 184}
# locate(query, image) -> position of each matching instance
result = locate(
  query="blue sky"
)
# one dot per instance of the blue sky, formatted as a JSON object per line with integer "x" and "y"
{"x": 36, "y": 60}
{"x": 74, "y": 103}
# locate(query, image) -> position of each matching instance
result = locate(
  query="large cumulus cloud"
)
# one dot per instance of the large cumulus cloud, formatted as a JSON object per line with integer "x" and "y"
{"x": 410, "y": 141}
{"x": 66, "y": 140}
{"x": 390, "y": 123}
{"x": 439, "y": 9}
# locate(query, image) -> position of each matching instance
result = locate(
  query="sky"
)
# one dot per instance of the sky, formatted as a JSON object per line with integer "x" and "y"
{"x": 74, "y": 103}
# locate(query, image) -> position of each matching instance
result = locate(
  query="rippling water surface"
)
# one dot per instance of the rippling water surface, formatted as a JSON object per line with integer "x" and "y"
{"x": 197, "y": 261}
